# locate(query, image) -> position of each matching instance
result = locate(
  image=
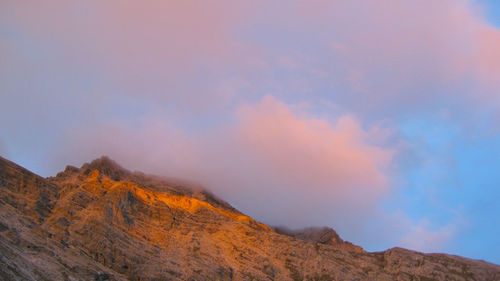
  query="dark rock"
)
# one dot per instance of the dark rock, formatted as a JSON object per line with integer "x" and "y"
{"x": 101, "y": 277}
{"x": 323, "y": 235}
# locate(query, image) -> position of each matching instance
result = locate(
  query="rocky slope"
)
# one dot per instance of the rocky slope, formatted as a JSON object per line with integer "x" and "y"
{"x": 102, "y": 222}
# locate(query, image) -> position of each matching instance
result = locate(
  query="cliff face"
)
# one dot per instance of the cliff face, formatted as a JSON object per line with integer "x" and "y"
{"x": 102, "y": 222}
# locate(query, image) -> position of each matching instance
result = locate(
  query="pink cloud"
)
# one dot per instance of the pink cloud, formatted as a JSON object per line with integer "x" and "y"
{"x": 311, "y": 151}
{"x": 153, "y": 51}
{"x": 488, "y": 57}
{"x": 397, "y": 56}
{"x": 421, "y": 237}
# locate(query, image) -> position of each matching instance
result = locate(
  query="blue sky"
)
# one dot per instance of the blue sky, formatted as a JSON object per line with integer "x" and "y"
{"x": 492, "y": 10}
{"x": 379, "y": 120}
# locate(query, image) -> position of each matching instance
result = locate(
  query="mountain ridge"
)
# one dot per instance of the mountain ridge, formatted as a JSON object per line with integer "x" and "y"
{"x": 104, "y": 222}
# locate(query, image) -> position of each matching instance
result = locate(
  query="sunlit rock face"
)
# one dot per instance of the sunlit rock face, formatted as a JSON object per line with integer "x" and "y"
{"x": 103, "y": 222}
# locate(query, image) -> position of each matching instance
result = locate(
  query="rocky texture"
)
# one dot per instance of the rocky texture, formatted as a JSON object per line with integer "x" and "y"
{"x": 103, "y": 222}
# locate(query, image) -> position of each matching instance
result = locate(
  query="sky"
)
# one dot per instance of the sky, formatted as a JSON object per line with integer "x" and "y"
{"x": 379, "y": 119}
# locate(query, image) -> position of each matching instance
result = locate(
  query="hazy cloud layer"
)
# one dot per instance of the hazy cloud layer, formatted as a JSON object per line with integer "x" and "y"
{"x": 283, "y": 167}
{"x": 3, "y": 149}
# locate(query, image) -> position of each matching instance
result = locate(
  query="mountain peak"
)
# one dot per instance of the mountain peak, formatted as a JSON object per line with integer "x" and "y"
{"x": 324, "y": 235}
{"x": 106, "y": 166}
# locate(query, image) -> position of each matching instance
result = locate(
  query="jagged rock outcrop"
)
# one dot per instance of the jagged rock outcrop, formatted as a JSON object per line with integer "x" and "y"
{"x": 103, "y": 222}
{"x": 323, "y": 235}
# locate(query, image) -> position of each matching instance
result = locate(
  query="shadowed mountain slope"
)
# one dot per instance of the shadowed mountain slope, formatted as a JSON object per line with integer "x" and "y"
{"x": 103, "y": 222}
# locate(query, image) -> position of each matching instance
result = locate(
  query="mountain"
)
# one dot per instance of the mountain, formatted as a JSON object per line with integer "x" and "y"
{"x": 103, "y": 222}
